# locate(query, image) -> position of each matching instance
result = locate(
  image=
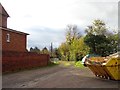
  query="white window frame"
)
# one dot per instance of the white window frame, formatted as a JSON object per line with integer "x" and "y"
{"x": 8, "y": 37}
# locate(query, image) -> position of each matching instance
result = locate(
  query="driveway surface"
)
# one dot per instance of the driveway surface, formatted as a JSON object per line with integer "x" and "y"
{"x": 58, "y": 76}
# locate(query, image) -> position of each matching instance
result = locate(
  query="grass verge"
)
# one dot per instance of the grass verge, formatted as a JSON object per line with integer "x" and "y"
{"x": 79, "y": 64}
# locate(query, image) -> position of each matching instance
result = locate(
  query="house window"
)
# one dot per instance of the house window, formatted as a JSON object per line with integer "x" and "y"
{"x": 8, "y": 37}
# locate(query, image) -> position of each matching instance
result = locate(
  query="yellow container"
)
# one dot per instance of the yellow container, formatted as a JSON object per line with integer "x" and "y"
{"x": 113, "y": 68}
{"x": 99, "y": 71}
{"x": 108, "y": 70}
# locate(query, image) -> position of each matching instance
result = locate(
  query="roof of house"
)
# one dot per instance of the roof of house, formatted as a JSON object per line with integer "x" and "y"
{"x": 3, "y": 11}
{"x": 11, "y": 30}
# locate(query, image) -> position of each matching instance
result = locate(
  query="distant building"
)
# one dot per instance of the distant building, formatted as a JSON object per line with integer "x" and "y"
{"x": 12, "y": 40}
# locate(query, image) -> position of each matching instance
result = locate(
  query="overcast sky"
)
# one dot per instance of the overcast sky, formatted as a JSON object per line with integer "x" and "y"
{"x": 46, "y": 20}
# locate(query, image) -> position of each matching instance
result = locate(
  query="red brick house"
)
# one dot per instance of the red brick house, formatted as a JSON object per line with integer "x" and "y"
{"x": 13, "y": 47}
{"x": 12, "y": 40}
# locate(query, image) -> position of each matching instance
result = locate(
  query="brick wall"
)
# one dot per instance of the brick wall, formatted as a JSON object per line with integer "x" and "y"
{"x": 12, "y": 61}
{"x": 3, "y": 16}
{"x": 17, "y": 41}
{"x": 4, "y": 21}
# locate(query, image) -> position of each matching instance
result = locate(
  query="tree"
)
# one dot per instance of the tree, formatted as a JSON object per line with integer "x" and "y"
{"x": 31, "y": 49}
{"x": 97, "y": 43}
{"x": 114, "y": 41}
{"x": 79, "y": 49}
{"x": 72, "y": 35}
{"x": 99, "y": 39}
{"x": 45, "y": 51}
{"x": 98, "y": 28}
{"x": 63, "y": 48}
{"x": 56, "y": 53}
{"x": 74, "y": 48}
{"x": 35, "y": 49}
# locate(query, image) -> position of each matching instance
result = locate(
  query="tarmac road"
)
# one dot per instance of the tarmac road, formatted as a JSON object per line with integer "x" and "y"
{"x": 56, "y": 77}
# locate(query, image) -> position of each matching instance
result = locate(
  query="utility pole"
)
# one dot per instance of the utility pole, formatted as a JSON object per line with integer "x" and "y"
{"x": 51, "y": 49}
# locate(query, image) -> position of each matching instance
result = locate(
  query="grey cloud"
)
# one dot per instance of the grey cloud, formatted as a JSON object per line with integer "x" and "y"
{"x": 43, "y": 36}
{"x": 108, "y": 11}
{"x": 87, "y": 12}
